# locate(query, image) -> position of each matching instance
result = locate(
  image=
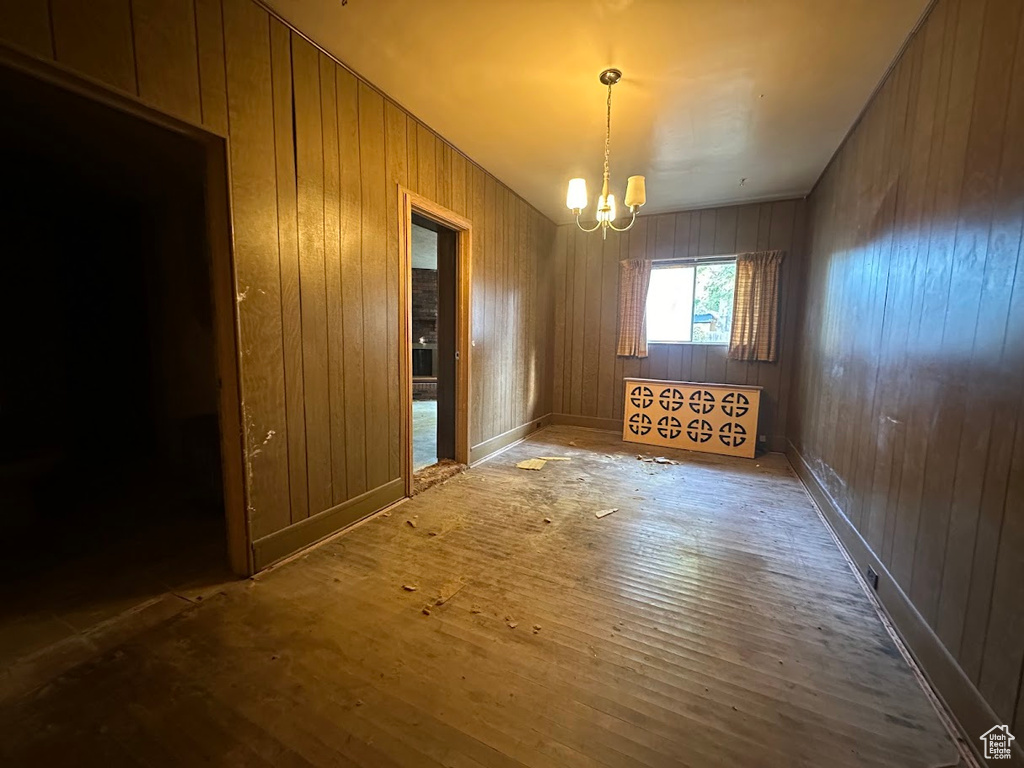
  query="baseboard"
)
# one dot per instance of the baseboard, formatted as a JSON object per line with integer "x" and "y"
{"x": 288, "y": 541}
{"x": 588, "y": 422}
{"x": 973, "y": 714}
{"x": 481, "y": 451}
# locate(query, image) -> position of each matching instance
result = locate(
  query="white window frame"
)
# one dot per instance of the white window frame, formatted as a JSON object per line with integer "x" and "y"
{"x": 691, "y": 262}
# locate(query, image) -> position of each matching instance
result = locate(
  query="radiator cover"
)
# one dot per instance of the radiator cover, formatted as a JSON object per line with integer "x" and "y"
{"x": 713, "y": 418}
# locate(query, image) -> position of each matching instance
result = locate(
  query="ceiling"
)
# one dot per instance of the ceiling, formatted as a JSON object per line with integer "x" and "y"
{"x": 713, "y": 91}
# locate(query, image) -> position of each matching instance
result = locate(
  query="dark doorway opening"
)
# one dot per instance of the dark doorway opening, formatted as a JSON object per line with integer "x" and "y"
{"x": 434, "y": 276}
{"x": 110, "y": 468}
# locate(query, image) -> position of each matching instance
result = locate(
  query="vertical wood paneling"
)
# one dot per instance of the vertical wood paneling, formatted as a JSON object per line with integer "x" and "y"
{"x": 166, "y": 56}
{"x": 316, "y": 157}
{"x": 26, "y": 26}
{"x": 309, "y": 166}
{"x": 257, "y": 266}
{"x": 609, "y": 325}
{"x": 351, "y": 255}
{"x": 95, "y": 39}
{"x": 210, "y": 51}
{"x": 332, "y": 277}
{"x": 426, "y": 160}
{"x": 907, "y": 402}
{"x": 375, "y": 294}
{"x": 396, "y": 157}
{"x": 560, "y": 253}
{"x": 475, "y": 187}
{"x": 588, "y": 375}
{"x": 288, "y": 245}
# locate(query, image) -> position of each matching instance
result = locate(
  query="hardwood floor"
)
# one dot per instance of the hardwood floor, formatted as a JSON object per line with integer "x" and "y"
{"x": 710, "y": 621}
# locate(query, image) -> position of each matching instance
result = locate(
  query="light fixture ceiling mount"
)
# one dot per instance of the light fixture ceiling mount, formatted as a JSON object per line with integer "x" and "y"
{"x": 636, "y": 193}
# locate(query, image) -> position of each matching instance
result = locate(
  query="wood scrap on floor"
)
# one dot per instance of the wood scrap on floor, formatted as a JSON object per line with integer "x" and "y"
{"x": 409, "y": 587}
{"x": 554, "y": 458}
{"x": 531, "y": 464}
{"x": 605, "y": 512}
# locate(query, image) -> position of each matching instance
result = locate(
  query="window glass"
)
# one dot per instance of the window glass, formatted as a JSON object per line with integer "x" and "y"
{"x": 691, "y": 303}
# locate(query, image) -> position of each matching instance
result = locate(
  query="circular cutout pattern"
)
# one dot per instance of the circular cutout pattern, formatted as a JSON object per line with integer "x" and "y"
{"x": 732, "y": 435}
{"x": 702, "y": 401}
{"x": 669, "y": 427}
{"x": 671, "y": 399}
{"x": 699, "y": 431}
{"x": 639, "y": 423}
{"x": 641, "y": 396}
{"x": 735, "y": 404}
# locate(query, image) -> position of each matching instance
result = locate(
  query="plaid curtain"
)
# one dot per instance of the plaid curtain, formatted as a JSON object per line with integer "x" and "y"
{"x": 634, "y": 279}
{"x": 755, "y": 314}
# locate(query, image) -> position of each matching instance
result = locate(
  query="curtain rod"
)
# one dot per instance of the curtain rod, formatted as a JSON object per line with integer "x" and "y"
{"x": 694, "y": 259}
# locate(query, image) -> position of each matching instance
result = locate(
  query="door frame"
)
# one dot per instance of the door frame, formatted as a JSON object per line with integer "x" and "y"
{"x": 220, "y": 262}
{"x": 408, "y": 203}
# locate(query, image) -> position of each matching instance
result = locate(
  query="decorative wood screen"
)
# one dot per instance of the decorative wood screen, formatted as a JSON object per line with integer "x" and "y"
{"x": 714, "y": 418}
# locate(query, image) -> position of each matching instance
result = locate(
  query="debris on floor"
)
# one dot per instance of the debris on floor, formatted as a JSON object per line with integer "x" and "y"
{"x": 436, "y": 474}
{"x": 547, "y": 519}
{"x": 531, "y": 464}
{"x": 658, "y": 460}
{"x": 512, "y": 623}
{"x": 605, "y": 512}
{"x": 426, "y": 610}
{"x": 476, "y": 609}
{"x": 444, "y": 599}
{"x": 411, "y": 523}
{"x": 572, "y": 443}
{"x": 409, "y": 587}
{"x": 554, "y": 458}
{"x": 536, "y": 628}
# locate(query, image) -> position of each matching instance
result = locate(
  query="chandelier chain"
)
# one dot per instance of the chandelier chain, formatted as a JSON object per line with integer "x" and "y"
{"x": 608, "y": 132}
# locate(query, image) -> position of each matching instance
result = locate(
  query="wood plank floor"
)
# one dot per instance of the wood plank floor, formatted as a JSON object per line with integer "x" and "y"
{"x": 711, "y": 621}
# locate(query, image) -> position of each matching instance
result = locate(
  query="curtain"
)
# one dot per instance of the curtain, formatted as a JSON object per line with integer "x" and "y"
{"x": 634, "y": 279}
{"x": 755, "y": 314}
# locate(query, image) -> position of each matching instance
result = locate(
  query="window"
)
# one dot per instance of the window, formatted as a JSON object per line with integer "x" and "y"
{"x": 691, "y": 303}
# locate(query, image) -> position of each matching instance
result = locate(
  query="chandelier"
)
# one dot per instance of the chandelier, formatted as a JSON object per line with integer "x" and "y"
{"x": 636, "y": 193}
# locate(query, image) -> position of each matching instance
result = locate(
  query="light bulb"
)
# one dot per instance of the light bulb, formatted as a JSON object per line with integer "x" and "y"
{"x": 606, "y": 208}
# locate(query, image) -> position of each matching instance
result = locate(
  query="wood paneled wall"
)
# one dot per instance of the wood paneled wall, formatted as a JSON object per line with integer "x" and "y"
{"x": 588, "y": 376}
{"x": 909, "y": 401}
{"x": 316, "y": 157}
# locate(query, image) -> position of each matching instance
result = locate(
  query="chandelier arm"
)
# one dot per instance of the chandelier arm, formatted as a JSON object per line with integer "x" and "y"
{"x": 592, "y": 229}
{"x": 632, "y": 221}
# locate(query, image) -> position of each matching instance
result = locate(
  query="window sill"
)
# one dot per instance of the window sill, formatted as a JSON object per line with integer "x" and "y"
{"x": 690, "y": 343}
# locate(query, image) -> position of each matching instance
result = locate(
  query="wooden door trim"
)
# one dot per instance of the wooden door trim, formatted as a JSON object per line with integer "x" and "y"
{"x": 408, "y": 203}
{"x": 218, "y": 229}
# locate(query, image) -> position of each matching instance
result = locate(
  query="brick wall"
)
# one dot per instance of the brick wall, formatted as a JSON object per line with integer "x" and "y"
{"x": 424, "y": 305}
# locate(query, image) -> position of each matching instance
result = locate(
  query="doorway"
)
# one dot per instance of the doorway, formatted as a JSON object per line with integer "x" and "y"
{"x": 435, "y": 359}
{"x": 112, "y": 398}
{"x": 433, "y": 343}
